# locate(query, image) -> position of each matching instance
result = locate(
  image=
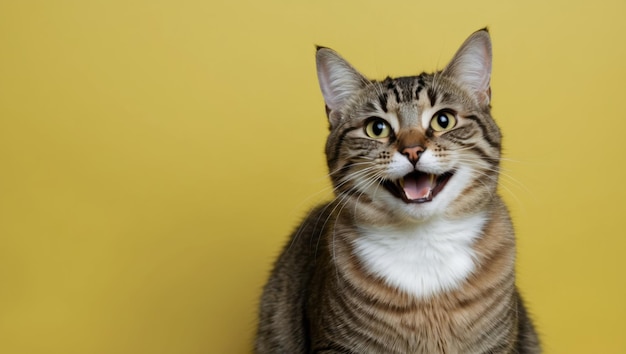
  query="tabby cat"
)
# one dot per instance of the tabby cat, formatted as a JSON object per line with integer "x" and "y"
{"x": 416, "y": 254}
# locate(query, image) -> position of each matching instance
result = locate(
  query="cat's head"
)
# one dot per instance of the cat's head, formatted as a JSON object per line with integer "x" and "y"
{"x": 417, "y": 147}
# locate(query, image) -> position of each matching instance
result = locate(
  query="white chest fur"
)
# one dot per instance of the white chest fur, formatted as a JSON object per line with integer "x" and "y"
{"x": 423, "y": 259}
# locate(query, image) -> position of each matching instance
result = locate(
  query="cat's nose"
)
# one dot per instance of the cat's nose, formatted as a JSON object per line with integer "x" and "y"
{"x": 413, "y": 153}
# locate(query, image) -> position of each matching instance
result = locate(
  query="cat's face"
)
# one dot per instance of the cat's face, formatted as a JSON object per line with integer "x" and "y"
{"x": 412, "y": 148}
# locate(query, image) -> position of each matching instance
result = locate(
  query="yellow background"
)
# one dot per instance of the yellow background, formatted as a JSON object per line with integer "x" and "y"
{"x": 154, "y": 156}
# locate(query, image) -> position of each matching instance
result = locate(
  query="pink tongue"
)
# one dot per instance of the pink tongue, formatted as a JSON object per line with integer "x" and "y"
{"x": 417, "y": 188}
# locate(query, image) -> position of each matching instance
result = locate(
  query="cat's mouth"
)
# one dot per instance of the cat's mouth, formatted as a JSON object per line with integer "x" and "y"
{"x": 418, "y": 187}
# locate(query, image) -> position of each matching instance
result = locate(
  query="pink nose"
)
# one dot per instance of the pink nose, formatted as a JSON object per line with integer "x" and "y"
{"x": 413, "y": 153}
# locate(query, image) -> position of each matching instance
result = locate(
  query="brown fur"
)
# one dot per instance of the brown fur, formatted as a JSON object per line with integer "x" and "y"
{"x": 322, "y": 298}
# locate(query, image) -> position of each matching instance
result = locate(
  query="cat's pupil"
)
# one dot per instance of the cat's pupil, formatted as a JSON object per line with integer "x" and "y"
{"x": 378, "y": 128}
{"x": 443, "y": 121}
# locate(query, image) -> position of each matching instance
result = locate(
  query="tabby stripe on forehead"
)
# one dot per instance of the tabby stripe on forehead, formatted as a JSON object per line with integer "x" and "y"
{"x": 432, "y": 96}
{"x": 417, "y": 91}
{"x": 393, "y": 87}
{"x": 420, "y": 80}
{"x": 397, "y": 94}
{"x": 383, "y": 102}
{"x": 390, "y": 83}
{"x": 482, "y": 127}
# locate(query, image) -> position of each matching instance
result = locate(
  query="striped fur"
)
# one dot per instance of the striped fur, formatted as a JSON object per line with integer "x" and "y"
{"x": 388, "y": 269}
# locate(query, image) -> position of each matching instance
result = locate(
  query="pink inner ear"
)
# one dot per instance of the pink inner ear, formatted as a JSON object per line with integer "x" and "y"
{"x": 328, "y": 85}
{"x": 471, "y": 66}
{"x": 338, "y": 80}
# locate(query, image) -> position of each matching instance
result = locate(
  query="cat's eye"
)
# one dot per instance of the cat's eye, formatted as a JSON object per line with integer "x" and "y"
{"x": 377, "y": 128}
{"x": 442, "y": 121}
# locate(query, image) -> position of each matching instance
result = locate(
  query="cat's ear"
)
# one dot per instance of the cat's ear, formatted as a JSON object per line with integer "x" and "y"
{"x": 471, "y": 66}
{"x": 337, "y": 78}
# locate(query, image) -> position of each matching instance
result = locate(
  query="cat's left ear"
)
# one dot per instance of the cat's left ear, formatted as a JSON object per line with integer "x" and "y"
{"x": 471, "y": 66}
{"x": 338, "y": 80}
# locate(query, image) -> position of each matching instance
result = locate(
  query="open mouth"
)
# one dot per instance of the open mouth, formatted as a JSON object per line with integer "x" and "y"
{"x": 418, "y": 187}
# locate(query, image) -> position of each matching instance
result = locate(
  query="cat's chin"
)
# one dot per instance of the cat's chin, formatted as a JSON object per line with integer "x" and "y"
{"x": 418, "y": 187}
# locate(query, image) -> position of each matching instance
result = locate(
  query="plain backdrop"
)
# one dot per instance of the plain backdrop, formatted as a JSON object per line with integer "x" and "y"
{"x": 155, "y": 155}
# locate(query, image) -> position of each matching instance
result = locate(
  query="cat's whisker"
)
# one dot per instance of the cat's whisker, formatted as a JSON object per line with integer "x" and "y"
{"x": 375, "y": 179}
{"x": 494, "y": 178}
{"x": 502, "y": 172}
{"x": 361, "y": 186}
{"x": 348, "y": 166}
{"x": 350, "y": 178}
{"x": 340, "y": 201}
{"x": 345, "y": 179}
{"x": 340, "y": 197}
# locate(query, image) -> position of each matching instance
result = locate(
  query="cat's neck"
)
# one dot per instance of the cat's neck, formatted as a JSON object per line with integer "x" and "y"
{"x": 421, "y": 259}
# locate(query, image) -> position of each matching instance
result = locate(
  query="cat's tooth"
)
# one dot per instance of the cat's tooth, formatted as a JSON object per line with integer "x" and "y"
{"x": 432, "y": 179}
{"x": 401, "y": 183}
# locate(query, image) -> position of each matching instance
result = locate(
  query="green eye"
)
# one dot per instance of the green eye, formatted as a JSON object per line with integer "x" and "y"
{"x": 377, "y": 129}
{"x": 443, "y": 121}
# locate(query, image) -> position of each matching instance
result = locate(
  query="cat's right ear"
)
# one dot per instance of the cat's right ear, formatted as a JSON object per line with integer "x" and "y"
{"x": 338, "y": 81}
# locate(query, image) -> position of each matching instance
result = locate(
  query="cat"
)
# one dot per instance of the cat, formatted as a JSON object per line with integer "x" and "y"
{"x": 416, "y": 254}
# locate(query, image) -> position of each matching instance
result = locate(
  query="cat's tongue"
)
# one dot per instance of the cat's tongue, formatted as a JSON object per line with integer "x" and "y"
{"x": 418, "y": 186}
